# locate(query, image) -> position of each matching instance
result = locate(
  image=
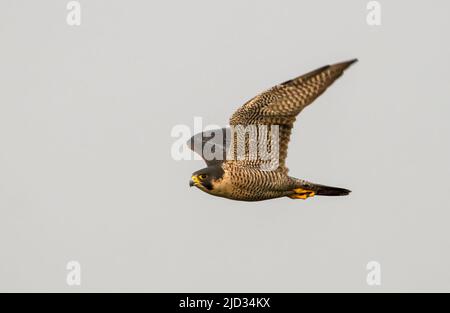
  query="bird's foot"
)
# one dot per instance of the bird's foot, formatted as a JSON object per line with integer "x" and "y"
{"x": 302, "y": 194}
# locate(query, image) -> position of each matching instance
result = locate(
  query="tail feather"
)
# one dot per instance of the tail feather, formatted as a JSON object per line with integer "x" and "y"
{"x": 330, "y": 191}
{"x": 322, "y": 190}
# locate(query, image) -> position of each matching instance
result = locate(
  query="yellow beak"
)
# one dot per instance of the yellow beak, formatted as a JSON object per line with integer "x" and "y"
{"x": 195, "y": 181}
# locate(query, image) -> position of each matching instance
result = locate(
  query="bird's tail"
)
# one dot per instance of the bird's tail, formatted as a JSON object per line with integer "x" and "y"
{"x": 306, "y": 190}
{"x": 331, "y": 191}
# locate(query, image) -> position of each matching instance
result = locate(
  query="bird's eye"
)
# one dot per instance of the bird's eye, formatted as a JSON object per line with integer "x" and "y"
{"x": 202, "y": 177}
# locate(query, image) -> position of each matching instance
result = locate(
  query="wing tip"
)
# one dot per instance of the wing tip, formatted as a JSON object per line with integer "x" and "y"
{"x": 346, "y": 64}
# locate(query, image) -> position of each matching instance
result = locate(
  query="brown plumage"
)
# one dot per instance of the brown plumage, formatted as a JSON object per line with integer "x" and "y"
{"x": 242, "y": 176}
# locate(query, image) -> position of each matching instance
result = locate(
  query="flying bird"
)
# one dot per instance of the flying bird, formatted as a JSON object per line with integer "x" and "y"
{"x": 245, "y": 178}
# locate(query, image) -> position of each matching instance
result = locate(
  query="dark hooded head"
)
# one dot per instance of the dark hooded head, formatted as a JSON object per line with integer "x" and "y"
{"x": 205, "y": 178}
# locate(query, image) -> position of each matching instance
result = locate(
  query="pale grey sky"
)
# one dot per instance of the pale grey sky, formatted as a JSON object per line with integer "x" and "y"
{"x": 86, "y": 172}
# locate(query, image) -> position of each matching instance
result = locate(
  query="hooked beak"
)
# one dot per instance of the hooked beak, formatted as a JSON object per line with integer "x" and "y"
{"x": 194, "y": 181}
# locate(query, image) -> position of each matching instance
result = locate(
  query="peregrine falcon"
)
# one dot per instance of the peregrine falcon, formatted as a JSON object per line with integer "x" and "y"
{"x": 243, "y": 177}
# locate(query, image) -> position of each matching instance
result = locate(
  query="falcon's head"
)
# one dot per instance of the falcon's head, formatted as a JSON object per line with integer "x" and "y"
{"x": 206, "y": 179}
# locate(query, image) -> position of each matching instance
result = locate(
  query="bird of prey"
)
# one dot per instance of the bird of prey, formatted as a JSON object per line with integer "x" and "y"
{"x": 244, "y": 178}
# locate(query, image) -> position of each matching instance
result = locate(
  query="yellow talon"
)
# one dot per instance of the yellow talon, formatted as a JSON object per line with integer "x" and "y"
{"x": 302, "y": 194}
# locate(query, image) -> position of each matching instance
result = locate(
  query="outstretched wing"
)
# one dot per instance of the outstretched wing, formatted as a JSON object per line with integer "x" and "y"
{"x": 212, "y": 145}
{"x": 281, "y": 104}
